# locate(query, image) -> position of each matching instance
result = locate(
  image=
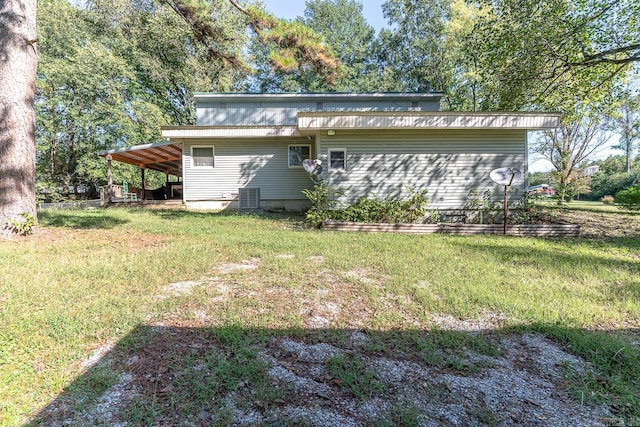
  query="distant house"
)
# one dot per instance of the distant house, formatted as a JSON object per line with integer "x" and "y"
{"x": 541, "y": 190}
{"x": 591, "y": 170}
{"x": 246, "y": 150}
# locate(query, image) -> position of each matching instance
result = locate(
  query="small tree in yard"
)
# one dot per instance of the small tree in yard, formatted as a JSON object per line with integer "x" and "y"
{"x": 566, "y": 148}
{"x": 625, "y": 121}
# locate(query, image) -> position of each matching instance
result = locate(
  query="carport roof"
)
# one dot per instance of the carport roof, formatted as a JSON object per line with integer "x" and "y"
{"x": 161, "y": 156}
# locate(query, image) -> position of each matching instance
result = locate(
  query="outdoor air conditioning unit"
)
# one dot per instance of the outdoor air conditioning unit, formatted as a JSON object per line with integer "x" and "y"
{"x": 249, "y": 198}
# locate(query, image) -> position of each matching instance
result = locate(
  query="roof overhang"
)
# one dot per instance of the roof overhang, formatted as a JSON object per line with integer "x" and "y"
{"x": 308, "y": 121}
{"x": 187, "y": 132}
{"x": 206, "y": 97}
{"x": 162, "y": 156}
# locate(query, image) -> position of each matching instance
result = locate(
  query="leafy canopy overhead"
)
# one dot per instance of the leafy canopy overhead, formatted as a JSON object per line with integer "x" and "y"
{"x": 112, "y": 71}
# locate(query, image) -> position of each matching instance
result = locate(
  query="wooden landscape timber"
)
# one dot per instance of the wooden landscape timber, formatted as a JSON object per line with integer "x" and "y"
{"x": 527, "y": 230}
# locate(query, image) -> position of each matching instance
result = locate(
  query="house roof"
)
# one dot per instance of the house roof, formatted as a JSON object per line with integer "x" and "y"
{"x": 162, "y": 156}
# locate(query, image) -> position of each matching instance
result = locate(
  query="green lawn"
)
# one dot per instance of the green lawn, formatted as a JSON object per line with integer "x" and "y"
{"x": 89, "y": 278}
{"x": 587, "y": 206}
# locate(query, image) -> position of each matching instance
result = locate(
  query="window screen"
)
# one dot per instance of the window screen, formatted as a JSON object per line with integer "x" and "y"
{"x": 337, "y": 159}
{"x": 298, "y": 153}
{"x": 202, "y": 157}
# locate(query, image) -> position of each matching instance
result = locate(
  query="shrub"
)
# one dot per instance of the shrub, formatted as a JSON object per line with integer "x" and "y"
{"x": 24, "y": 226}
{"x": 603, "y": 184}
{"x": 321, "y": 205}
{"x": 388, "y": 210}
{"x": 629, "y": 198}
{"x": 608, "y": 200}
{"x": 480, "y": 209}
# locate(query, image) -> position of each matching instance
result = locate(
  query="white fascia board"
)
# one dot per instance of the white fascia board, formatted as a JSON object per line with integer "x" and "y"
{"x": 204, "y": 97}
{"x": 136, "y": 148}
{"x": 427, "y": 120}
{"x": 186, "y": 132}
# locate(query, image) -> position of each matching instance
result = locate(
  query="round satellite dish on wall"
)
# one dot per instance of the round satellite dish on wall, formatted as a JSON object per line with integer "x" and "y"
{"x": 309, "y": 165}
{"x": 505, "y": 176}
{"x": 312, "y": 166}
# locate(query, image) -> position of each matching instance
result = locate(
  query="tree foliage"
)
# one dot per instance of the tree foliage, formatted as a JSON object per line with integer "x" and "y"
{"x": 415, "y": 47}
{"x": 625, "y": 122}
{"x": 344, "y": 30}
{"x": 111, "y": 72}
{"x": 514, "y": 54}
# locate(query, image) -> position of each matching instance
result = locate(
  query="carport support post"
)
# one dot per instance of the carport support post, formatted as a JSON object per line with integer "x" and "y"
{"x": 166, "y": 185}
{"x": 109, "y": 180}
{"x": 144, "y": 190}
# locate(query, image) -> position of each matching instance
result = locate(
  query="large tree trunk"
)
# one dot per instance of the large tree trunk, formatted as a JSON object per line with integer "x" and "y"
{"x": 18, "y": 62}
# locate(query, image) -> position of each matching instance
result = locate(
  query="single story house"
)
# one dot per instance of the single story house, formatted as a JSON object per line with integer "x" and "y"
{"x": 246, "y": 150}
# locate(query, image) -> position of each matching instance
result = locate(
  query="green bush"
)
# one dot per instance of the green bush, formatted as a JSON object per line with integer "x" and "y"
{"x": 388, "y": 210}
{"x": 321, "y": 204}
{"x": 608, "y": 199}
{"x": 603, "y": 184}
{"x": 629, "y": 198}
{"x": 22, "y": 226}
{"x": 480, "y": 209}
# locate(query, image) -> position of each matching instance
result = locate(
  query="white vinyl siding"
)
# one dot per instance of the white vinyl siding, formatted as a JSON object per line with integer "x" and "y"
{"x": 245, "y": 163}
{"x": 448, "y": 164}
{"x": 284, "y": 112}
{"x": 409, "y": 120}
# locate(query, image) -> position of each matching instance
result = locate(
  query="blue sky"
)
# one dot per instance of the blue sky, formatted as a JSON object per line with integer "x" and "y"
{"x": 372, "y": 10}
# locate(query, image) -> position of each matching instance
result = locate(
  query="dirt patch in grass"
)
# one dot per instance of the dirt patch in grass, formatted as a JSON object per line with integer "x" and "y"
{"x": 198, "y": 376}
{"x": 463, "y": 372}
{"x": 598, "y": 224}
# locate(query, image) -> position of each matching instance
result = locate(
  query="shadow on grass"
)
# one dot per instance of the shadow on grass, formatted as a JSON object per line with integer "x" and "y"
{"x": 172, "y": 375}
{"x": 80, "y": 219}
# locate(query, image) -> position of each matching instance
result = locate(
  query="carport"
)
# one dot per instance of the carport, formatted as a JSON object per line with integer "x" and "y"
{"x": 163, "y": 157}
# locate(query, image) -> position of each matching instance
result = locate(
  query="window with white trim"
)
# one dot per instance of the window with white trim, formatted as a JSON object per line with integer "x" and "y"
{"x": 337, "y": 159}
{"x": 298, "y": 153}
{"x": 202, "y": 157}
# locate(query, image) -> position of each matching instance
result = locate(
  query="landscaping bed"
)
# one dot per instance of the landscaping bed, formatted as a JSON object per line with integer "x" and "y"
{"x": 531, "y": 230}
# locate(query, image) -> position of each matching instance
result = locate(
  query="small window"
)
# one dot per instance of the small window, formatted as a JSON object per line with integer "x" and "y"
{"x": 298, "y": 153}
{"x": 320, "y": 105}
{"x": 202, "y": 157}
{"x": 415, "y": 104}
{"x": 337, "y": 159}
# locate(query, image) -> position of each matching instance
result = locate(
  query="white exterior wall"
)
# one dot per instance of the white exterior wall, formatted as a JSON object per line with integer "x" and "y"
{"x": 448, "y": 164}
{"x": 276, "y": 113}
{"x": 245, "y": 163}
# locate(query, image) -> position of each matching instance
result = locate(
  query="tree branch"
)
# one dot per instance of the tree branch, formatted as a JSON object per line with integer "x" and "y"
{"x": 603, "y": 56}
